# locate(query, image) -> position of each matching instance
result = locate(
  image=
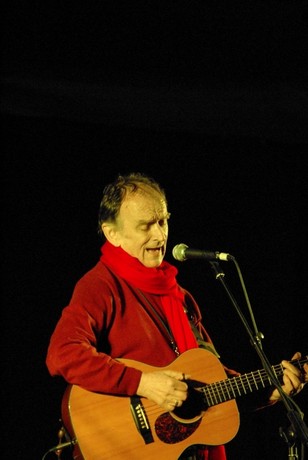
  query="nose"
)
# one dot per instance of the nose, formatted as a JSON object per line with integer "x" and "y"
{"x": 158, "y": 232}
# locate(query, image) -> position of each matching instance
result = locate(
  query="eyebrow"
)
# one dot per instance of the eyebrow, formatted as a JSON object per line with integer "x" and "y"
{"x": 144, "y": 222}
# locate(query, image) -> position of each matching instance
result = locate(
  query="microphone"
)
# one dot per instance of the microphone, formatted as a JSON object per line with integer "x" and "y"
{"x": 182, "y": 252}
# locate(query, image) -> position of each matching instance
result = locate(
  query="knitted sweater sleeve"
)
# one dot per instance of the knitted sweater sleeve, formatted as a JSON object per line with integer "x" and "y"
{"x": 73, "y": 351}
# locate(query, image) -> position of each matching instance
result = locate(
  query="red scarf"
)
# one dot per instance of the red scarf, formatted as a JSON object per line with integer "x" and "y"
{"x": 159, "y": 281}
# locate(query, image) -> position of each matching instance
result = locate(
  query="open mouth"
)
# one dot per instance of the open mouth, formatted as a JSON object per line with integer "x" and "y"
{"x": 155, "y": 250}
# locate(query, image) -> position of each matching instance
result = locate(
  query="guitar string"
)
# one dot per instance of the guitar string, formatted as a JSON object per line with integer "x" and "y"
{"x": 230, "y": 388}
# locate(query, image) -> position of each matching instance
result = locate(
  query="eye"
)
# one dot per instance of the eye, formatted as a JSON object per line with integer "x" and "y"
{"x": 144, "y": 227}
{"x": 163, "y": 222}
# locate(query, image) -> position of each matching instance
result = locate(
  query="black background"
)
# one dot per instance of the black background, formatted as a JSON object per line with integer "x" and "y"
{"x": 211, "y": 100}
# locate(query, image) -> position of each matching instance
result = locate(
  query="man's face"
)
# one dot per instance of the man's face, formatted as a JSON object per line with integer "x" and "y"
{"x": 142, "y": 227}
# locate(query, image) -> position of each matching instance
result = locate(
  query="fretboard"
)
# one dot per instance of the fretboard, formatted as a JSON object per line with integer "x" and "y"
{"x": 234, "y": 387}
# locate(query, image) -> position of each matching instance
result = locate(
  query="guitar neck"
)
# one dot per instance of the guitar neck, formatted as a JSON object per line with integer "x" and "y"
{"x": 234, "y": 387}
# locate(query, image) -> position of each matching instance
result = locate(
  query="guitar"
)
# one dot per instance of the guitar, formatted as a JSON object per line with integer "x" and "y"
{"x": 119, "y": 427}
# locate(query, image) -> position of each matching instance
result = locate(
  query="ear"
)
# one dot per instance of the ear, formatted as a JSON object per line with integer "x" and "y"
{"x": 111, "y": 233}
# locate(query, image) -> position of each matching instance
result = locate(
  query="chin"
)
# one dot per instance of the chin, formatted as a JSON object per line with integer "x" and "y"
{"x": 153, "y": 263}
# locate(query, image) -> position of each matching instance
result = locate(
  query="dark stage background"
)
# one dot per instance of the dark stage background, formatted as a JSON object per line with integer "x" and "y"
{"x": 211, "y": 100}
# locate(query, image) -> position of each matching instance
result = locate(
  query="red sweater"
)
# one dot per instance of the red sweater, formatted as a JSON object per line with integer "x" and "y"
{"x": 108, "y": 319}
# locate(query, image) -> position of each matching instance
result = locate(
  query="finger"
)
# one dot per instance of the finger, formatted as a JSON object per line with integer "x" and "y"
{"x": 305, "y": 373}
{"x": 180, "y": 397}
{"x": 178, "y": 383}
{"x": 174, "y": 404}
{"x": 177, "y": 375}
{"x": 292, "y": 384}
{"x": 296, "y": 355}
{"x": 171, "y": 406}
{"x": 290, "y": 368}
{"x": 291, "y": 379}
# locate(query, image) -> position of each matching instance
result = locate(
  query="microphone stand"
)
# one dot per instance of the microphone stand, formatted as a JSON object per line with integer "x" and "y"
{"x": 298, "y": 429}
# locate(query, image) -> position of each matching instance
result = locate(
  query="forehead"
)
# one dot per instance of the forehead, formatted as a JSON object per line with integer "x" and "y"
{"x": 144, "y": 203}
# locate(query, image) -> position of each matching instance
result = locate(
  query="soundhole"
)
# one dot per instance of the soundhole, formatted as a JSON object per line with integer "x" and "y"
{"x": 183, "y": 421}
{"x": 171, "y": 431}
{"x": 194, "y": 404}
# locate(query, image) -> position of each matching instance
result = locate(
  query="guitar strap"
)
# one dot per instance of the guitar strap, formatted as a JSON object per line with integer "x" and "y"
{"x": 190, "y": 315}
{"x": 164, "y": 324}
{"x": 201, "y": 342}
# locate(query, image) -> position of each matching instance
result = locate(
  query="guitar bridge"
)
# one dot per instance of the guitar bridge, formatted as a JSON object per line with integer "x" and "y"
{"x": 141, "y": 419}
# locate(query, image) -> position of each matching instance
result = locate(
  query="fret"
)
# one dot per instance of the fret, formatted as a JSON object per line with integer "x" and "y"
{"x": 261, "y": 379}
{"x": 229, "y": 382}
{"x": 226, "y": 387}
{"x": 242, "y": 383}
{"x": 248, "y": 382}
{"x": 237, "y": 387}
{"x": 219, "y": 392}
{"x": 222, "y": 393}
{"x": 279, "y": 368}
{"x": 216, "y": 393}
{"x": 254, "y": 380}
{"x": 206, "y": 390}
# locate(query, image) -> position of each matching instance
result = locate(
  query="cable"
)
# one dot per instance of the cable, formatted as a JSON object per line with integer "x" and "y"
{"x": 60, "y": 447}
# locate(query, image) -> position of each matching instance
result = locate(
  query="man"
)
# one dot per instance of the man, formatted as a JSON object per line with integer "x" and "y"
{"x": 130, "y": 306}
